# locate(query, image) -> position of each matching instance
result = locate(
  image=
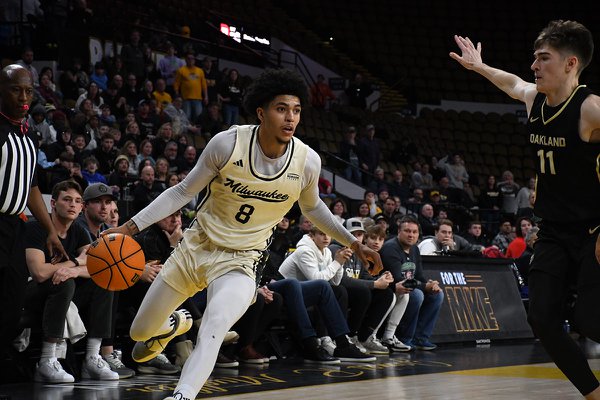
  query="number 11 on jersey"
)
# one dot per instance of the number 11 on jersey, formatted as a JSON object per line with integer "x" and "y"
{"x": 550, "y": 156}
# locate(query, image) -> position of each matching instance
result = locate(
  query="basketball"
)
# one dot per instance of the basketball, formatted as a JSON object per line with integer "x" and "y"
{"x": 115, "y": 261}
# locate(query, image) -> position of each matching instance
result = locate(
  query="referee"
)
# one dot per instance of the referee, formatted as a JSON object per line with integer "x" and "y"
{"x": 18, "y": 189}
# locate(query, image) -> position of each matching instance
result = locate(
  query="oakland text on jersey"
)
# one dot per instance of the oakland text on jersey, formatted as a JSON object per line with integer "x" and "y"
{"x": 245, "y": 192}
{"x": 547, "y": 141}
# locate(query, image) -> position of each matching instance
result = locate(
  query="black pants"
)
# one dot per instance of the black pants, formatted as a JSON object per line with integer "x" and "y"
{"x": 563, "y": 259}
{"x": 13, "y": 277}
{"x": 257, "y": 318}
{"x": 50, "y": 303}
{"x": 95, "y": 307}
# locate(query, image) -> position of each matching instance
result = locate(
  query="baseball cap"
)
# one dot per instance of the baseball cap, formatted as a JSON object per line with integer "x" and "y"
{"x": 370, "y": 126}
{"x": 378, "y": 216}
{"x": 97, "y": 190}
{"x": 354, "y": 224}
{"x": 434, "y": 193}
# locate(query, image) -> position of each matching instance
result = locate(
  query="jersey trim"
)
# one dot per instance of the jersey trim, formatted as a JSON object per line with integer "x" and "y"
{"x": 566, "y": 103}
{"x": 254, "y": 139}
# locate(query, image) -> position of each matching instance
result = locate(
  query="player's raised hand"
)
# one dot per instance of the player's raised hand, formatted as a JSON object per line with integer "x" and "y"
{"x": 470, "y": 57}
{"x": 368, "y": 257}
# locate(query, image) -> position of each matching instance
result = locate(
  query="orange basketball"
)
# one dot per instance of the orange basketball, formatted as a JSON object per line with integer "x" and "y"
{"x": 115, "y": 261}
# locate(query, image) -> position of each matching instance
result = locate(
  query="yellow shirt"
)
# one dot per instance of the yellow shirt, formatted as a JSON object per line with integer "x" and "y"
{"x": 190, "y": 83}
{"x": 162, "y": 99}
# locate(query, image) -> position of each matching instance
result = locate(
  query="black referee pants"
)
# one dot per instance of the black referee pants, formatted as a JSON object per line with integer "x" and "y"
{"x": 564, "y": 259}
{"x": 13, "y": 277}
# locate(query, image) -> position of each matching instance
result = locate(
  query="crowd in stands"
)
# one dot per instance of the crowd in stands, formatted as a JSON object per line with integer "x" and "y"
{"x": 124, "y": 131}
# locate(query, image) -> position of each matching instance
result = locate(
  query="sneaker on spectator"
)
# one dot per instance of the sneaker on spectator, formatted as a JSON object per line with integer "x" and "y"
{"x": 249, "y": 355}
{"x": 319, "y": 355}
{"x": 396, "y": 345}
{"x": 181, "y": 322}
{"x": 159, "y": 365}
{"x": 425, "y": 344}
{"x": 354, "y": 340}
{"x": 374, "y": 346}
{"x": 94, "y": 367}
{"x": 225, "y": 362}
{"x": 351, "y": 353}
{"x": 327, "y": 344}
{"x": 115, "y": 364}
{"x": 51, "y": 371}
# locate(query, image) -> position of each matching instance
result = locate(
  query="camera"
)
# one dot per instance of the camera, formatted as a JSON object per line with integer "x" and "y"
{"x": 410, "y": 283}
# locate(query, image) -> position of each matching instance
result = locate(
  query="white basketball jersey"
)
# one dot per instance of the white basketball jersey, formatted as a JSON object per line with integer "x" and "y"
{"x": 242, "y": 207}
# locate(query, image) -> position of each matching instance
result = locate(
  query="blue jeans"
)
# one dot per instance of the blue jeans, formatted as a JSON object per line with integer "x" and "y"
{"x": 230, "y": 114}
{"x": 352, "y": 173}
{"x": 420, "y": 316}
{"x": 192, "y": 109}
{"x": 297, "y": 296}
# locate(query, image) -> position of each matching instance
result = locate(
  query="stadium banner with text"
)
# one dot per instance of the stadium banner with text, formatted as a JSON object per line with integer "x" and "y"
{"x": 482, "y": 301}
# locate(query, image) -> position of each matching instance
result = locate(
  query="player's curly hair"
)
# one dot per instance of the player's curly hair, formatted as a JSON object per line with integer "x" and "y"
{"x": 272, "y": 83}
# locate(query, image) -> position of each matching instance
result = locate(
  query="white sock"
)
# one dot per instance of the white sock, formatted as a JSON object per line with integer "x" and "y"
{"x": 92, "y": 347}
{"x": 48, "y": 351}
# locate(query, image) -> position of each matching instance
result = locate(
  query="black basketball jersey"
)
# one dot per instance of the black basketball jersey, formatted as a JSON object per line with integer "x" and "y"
{"x": 568, "y": 169}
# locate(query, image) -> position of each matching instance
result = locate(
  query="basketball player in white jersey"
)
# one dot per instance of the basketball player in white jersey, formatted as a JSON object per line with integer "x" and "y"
{"x": 252, "y": 175}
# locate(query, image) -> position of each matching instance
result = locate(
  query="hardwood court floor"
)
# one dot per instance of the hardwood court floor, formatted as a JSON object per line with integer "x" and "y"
{"x": 498, "y": 371}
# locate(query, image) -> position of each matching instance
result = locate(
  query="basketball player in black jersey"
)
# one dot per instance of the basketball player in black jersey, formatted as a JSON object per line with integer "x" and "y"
{"x": 564, "y": 133}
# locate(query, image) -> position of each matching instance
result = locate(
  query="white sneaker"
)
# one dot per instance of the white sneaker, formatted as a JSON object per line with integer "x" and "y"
{"x": 50, "y": 371}
{"x": 396, "y": 345}
{"x": 181, "y": 322}
{"x": 354, "y": 340}
{"x": 374, "y": 346}
{"x": 328, "y": 344}
{"x": 94, "y": 367}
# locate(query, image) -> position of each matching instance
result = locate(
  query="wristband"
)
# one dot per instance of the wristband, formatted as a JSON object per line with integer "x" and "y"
{"x": 75, "y": 261}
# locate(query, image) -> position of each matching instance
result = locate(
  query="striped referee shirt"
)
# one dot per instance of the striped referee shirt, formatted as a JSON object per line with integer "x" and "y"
{"x": 18, "y": 158}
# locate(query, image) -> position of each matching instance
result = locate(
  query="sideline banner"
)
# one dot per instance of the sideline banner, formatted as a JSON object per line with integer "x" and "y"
{"x": 482, "y": 301}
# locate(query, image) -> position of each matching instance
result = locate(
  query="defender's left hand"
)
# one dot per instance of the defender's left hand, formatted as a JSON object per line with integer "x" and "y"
{"x": 368, "y": 257}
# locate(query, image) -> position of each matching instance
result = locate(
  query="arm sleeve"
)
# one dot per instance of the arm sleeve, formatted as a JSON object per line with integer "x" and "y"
{"x": 313, "y": 207}
{"x": 215, "y": 155}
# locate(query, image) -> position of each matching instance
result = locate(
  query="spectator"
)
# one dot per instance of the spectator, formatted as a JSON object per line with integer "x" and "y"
{"x": 508, "y": 192}
{"x": 49, "y": 95}
{"x": 190, "y": 84}
{"x": 162, "y": 97}
{"x": 133, "y": 133}
{"x": 230, "y": 93}
{"x": 369, "y": 154}
{"x": 169, "y": 65}
{"x": 99, "y": 76}
{"x": 325, "y": 188}
{"x": 370, "y": 300}
{"x": 115, "y": 98}
{"x": 391, "y": 215}
{"x": 504, "y": 237}
{"x": 399, "y": 187}
{"x": 55, "y": 285}
{"x": 179, "y": 120}
{"x": 161, "y": 170}
{"x": 93, "y": 94}
{"x": 528, "y": 211}
{"x": 524, "y": 194}
{"x": 303, "y": 228}
{"x": 349, "y": 153}
{"x": 357, "y": 92}
{"x": 339, "y": 210}
{"x": 320, "y": 92}
{"x": 148, "y": 121}
{"x": 120, "y": 178}
{"x": 212, "y": 75}
{"x": 133, "y": 55}
{"x": 475, "y": 234}
{"x": 37, "y": 121}
{"x": 427, "y": 221}
{"x": 146, "y": 190}
{"x": 378, "y": 182}
{"x": 131, "y": 91}
{"x": 26, "y": 62}
{"x": 455, "y": 171}
{"x": 421, "y": 178}
{"x": 90, "y": 171}
{"x": 106, "y": 154}
{"x": 401, "y": 257}
{"x": 517, "y": 246}
{"x": 145, "y": 153}
{"x": 188, "y": 160}
{"x": 164, "y": 135}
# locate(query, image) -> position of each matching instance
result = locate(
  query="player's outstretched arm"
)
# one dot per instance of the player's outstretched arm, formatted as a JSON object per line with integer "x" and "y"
{"x": 128, "y": 228}
{"x": 368, "y": 257}
{"x": 511, "y": 84}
